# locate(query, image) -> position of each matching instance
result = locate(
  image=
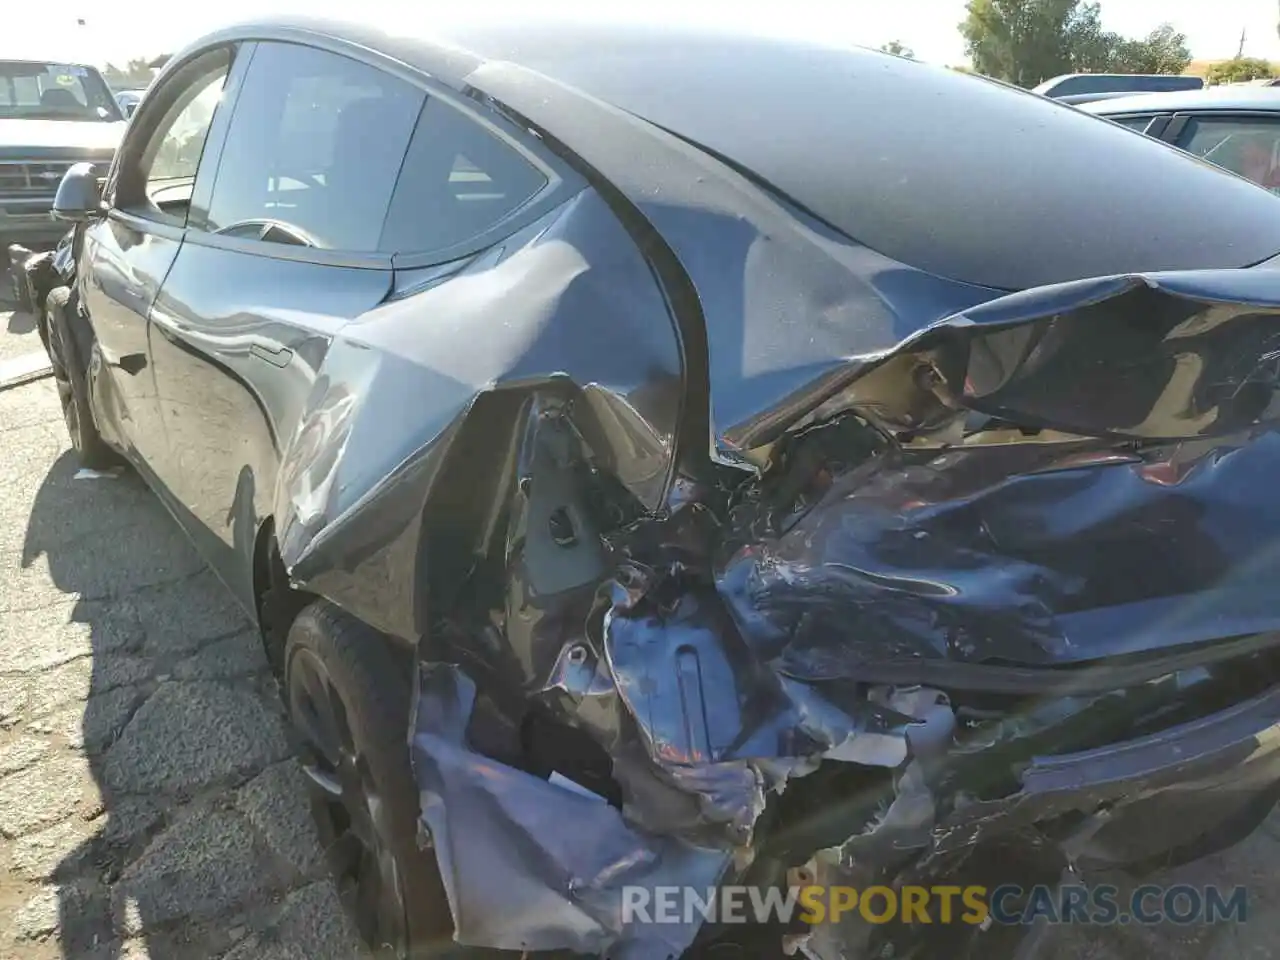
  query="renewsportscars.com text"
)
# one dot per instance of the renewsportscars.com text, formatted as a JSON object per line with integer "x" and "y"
{"x": 1008, "y": 904}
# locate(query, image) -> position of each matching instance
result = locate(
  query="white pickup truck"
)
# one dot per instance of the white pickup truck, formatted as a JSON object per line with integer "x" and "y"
{"x": 52, "y": 115}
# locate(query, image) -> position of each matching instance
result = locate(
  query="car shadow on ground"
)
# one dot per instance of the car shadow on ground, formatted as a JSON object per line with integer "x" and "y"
{"x": 21, "y": 323}
{"x": 179, "y": 826}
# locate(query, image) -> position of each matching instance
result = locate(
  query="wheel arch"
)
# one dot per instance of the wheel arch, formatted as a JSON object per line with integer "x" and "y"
{"x": 277, "y": 602}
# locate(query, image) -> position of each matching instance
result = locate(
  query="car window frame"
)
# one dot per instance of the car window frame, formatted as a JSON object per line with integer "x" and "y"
{"x": 1181, "y": 120}
{"x": 1147, "y": 119}
{"x": 145, "y": 122}
{"x": 562, "y": 181}
{"x": 1157, "y": 123}
{"x": 1181, "y": 130}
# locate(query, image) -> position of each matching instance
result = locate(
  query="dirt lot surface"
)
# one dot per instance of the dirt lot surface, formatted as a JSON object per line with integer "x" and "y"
{"x": 149, "y": 804}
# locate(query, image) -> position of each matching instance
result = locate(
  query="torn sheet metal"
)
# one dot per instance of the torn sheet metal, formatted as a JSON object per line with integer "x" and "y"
{"x": 1050, "y": 480}
{"x": 420, "y": 403}
{"x": 1151, "y": 356}
{"x": 530, "y": 865}
{"x": 718, "y": 727}
{"x": 1021, "y": 554}
{"x": 1041, "y": 554}
{"x": 1146, "y": 778}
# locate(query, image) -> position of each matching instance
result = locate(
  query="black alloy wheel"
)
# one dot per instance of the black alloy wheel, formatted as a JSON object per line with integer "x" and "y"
{"x": 348, "y": 695}
{"x": 349, "y": 810}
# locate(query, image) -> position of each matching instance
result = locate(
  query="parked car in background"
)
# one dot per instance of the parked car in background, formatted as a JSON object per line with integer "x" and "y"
{"x": 1074, "y": 84}
{"x": 128, "y": 100}
{"x": 637, "y": 493}
{"x": 1235, "y": 126}
{"x": 1075, "y": 98}
{"x": 52, "y": 115}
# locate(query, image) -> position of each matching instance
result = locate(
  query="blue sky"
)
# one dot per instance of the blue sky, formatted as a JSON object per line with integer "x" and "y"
{"x": 118, "y": 29}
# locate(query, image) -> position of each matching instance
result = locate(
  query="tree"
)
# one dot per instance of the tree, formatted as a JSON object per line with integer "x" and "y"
{"x": 1026, "y": 41}
{"x": 898, "y": 49}
{"x": 1090, "y": 49}
{"x": 1005, "y": 38}
{"x": 1238, "y": 70}
{"x": 1163, "y": 50}
{"x": 136, "y": 73}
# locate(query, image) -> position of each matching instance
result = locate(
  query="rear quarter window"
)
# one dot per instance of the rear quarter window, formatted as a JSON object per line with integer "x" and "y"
{"x": 459, "y": 180}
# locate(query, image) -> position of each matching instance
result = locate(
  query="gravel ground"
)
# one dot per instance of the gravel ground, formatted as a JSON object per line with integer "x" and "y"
{"x": 17, "y": 330}
{"x": 149, "y": 803}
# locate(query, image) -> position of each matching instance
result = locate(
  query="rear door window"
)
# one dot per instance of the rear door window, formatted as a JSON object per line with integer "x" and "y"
{"x": 1249, "y": 146}
{"x": 315, "y": 145}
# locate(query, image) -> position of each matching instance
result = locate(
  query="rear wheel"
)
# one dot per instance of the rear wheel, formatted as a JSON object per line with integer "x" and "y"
{"x": 348, "y": 694}
{"x": 70, "y": 374}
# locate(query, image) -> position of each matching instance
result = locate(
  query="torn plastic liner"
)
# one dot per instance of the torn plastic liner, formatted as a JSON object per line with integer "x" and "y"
{"x": 531, "y": 865}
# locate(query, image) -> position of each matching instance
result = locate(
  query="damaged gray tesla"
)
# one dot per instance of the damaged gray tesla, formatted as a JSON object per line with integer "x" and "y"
{"x": 666, "y": 460}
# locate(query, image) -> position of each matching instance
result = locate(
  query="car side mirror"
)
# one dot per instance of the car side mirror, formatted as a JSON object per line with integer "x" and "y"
{"x": 78, "y": 198}
{"x": 129, "y": 108}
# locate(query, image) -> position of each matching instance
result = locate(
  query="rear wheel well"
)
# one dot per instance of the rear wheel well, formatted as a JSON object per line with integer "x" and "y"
{"x": 278, "y": 603}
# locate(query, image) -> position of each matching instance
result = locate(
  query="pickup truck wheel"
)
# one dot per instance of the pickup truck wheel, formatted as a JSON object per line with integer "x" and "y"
{"x": 348, "y": 695}
{"x": 70, "y": 376}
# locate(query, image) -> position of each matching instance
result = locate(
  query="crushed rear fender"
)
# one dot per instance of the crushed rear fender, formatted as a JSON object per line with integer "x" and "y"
{"x": 659, "y": 678}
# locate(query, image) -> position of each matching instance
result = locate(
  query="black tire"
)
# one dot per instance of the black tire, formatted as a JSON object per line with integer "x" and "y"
{"x": 70, "y": 374}
{"x": 366, "y": 686}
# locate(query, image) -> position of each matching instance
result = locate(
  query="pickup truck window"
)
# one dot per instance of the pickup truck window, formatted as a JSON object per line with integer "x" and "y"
{"x": 35, "y": 90}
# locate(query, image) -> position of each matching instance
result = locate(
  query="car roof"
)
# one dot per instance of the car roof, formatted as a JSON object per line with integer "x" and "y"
{"x": 1048, "y": 85}
{"x": 27, "y": 57}
{"x": 921, "y": 163}
{"x": 1228, "y": 97}
{"x": 1077, "y": 98}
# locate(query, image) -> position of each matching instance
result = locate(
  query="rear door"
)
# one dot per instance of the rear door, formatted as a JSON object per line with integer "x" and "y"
{"x": 127, "y": 255}
{"x": 284, "y": 253}
{"x": 338, "y": 183}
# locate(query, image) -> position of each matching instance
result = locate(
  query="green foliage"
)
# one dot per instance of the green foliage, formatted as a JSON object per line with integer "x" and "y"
{"x": 1022, "y": 41}
{"x": 1163, "y": 50}
{"x": 1027, "y": 41}
{"x": 1238, "y": 70}
{"x": 898, "y": 49}
{"x": 135, "y": 73}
